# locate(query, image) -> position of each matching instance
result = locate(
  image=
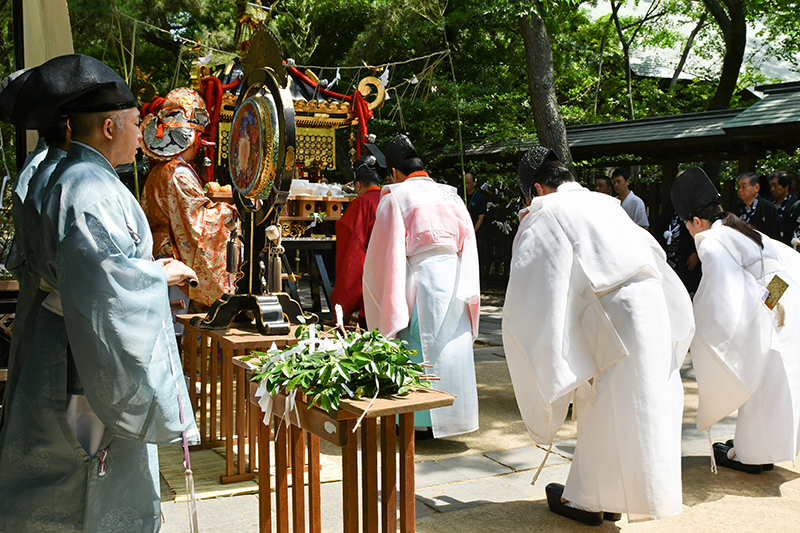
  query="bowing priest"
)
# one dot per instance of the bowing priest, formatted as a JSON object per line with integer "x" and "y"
{"x": 353, "y": 231}
{"x": 102, "y": 381}
{"x": 421, "y": 282}
{"x": 593, "y": 308}
{"x": 746, "y": 352}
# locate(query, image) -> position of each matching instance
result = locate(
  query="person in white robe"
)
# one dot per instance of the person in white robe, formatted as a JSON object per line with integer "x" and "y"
{"x": 593, "y": 308}
{"x": 421, "y": 282}
{"x": 746, "y": 352}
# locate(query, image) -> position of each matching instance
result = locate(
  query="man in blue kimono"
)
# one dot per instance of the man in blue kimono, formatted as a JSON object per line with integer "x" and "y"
{"x": 102, "y": 381}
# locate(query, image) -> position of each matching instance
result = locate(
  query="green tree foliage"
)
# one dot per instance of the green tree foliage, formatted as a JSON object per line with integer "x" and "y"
{"x": 7, "y": 132}
{"x": 105, "y": 29}
{"x": 487, "y": 87}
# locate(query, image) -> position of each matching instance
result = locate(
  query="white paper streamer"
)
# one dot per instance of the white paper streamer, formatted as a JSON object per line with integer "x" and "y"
{"x": 384, "y": 79}
{"x": 334, "y": 81}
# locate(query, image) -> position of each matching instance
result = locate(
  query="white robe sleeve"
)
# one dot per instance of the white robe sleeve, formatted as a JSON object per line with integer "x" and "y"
{"x": 469, "y": 287}
{"x": 734, "y": 330}
{"x": 556, "y": 334}
{"x": 681, "y": 315}
{"x": 386, "y": 271}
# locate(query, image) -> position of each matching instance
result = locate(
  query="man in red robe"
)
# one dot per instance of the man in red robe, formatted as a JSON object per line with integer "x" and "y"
{"x": 353, "y": 231}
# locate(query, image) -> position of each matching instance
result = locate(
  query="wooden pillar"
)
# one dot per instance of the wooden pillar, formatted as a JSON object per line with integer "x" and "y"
{"x": 314, "y": 501}
{"x": 350, "y": 480}
{"x": 281, "y": 476}
{"x": 747, "y": 162}
{"x": 407, "y": 510}
{"x": 297, "y": 453}
{"x": 669, "y": 169}
{"x": 388, "y": 475}
{"x": 369, "y": 474}
{"x": 264, "y": 489}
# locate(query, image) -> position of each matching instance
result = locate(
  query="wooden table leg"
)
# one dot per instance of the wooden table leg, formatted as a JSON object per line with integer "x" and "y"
{"x": 297, "y": 446}
{"x": 226, "y": 412}
{"x": 192, "y": 360}
{"x": 203, "y": 353}
{"x": 388, "y": 475}
{"x": 369, "y": 474}
{"x": 281, "y": 477}
{"x": 214, "y": 408}
{"x": 407, "y": 519}
{"x": 350, "y": 481}
{"x": 241, "y": 419}
{"x": 314, "y": 503}
{"x": 254, "y": 414}
{"x": 236, "y": 422}
{"x": 264, "y": 486}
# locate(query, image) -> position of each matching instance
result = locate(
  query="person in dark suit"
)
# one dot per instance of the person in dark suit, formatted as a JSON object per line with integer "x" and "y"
{"x": 758, "y": 212}
{"x": 780, "y": 185}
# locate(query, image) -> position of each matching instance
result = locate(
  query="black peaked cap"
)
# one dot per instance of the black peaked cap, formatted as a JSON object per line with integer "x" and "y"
{"x": 364, "y": 172}
{"x": 374, "y": 151}
{"x": 530, "y": 165}
{"x": 9, "y": 89}
{"x": 399, "y": 149}
{"x": 691, "y": 192}
{"x": 73, "y": 83}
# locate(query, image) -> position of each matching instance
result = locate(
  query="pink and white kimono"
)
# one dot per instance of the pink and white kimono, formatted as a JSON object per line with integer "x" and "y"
{"x": 422, "y": 263}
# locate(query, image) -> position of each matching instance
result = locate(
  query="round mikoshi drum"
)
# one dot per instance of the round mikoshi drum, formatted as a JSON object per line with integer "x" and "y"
{"x": 255, "y": 146}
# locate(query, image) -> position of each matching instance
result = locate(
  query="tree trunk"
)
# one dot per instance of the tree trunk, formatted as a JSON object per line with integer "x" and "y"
{"x": 625, "y": 54}
{"x": 542, "y": 87}
{"x": 733, "y": 25}
{"x": 688, "y": 48}
{"x": 600, "y": 66}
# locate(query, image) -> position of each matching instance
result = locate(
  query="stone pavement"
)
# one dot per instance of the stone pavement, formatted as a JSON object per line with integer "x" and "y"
{"x": 482, "y": 482}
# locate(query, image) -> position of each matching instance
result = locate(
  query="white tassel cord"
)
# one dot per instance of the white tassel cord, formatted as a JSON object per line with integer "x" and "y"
{"x": 711, "y": 446}
{"x": 541, "y": 466}
{"x": 193, "y": 523}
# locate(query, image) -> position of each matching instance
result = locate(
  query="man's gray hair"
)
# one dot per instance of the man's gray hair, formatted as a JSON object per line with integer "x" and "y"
{"x": 83, "y": 124}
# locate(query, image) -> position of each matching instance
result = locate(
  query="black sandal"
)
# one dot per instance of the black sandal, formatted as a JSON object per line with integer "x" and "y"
{"x": 554, "y": 492}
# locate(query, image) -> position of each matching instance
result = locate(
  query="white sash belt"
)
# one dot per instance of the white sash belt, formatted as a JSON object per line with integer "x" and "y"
{"x": 53, "y": 300}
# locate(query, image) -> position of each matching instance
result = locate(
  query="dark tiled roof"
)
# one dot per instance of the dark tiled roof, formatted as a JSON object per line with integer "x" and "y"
{"x": 779, "y": 110}
{"x": 688, "y": 134}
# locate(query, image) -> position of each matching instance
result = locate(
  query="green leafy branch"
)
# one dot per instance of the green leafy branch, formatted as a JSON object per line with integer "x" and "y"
{"x": 330, "y": 367}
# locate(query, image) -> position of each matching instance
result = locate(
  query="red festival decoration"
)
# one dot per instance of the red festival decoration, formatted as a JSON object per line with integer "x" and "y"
{"x": 360, "y": 106}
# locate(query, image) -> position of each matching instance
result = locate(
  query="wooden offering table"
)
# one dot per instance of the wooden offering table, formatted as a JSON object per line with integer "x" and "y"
{"x": 213, "y": 352}
{"x": 307, "y": 426}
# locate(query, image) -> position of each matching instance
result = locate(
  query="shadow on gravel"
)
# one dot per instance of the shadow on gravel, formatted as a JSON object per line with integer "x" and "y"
{"x": 700, "y": 485}
{"x": 513, "y": 516}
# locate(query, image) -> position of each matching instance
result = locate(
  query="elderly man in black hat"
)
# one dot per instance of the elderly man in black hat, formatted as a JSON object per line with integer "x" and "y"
{"x": 101, "y": 384}
{"x": 421, "y": 282}
{"x": 592, "y": 308}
